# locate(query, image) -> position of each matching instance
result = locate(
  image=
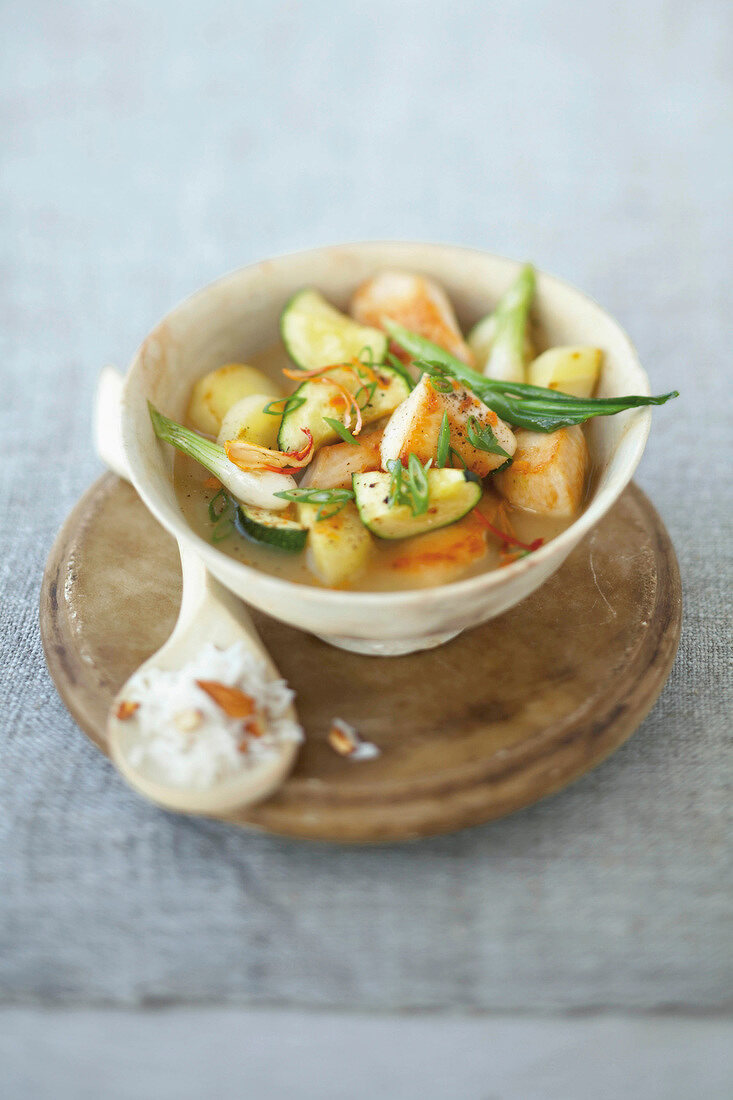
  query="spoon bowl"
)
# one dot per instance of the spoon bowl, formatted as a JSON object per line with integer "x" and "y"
{"x": 209, "y": 613}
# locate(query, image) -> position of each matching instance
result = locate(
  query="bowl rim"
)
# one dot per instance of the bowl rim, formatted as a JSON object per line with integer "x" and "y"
{"x": 639, "y": 423}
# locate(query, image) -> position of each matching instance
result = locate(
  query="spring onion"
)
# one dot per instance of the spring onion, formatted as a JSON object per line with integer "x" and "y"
{"x": 282, "y": 405}
{"x": 409, "y": 486}
{"x": 369, "y": 389}
{"x": 335, "y": 498}
{"x": 341, "y": 430}
{"x": 443, "y": 441}
{"x": 481, "y": 436}
{"x": 505, "y": 331}
{"x": 517, "y": 403}
{"x": 251, "y": 487}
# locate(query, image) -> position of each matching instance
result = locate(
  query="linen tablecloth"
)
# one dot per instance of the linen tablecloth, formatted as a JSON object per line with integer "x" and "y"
{"x": 148, "y": 150}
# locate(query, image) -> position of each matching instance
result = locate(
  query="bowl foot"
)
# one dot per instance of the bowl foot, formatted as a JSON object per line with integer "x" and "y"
{"x": 396, "y": 647}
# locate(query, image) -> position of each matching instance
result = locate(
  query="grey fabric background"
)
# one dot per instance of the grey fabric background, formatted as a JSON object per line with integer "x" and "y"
{"x": 148, "y": 149}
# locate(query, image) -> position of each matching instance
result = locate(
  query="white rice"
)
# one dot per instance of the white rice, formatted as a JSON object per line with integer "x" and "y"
{"x": 199, "y": 758}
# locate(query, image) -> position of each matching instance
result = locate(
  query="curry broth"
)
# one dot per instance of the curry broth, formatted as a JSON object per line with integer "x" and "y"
{"x": 424, "y": 561}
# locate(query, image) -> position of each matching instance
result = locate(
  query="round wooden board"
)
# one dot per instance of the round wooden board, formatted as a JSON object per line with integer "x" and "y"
{"x": 494, "y": 720}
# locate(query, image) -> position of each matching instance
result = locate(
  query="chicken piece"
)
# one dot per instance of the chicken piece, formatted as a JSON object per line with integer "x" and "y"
{"x": 414, "y": 428}
{"x": 440, "y": 556}
{"x": 548, "y": 472}
{"x": 333, "y": 466}
{"x": 415, "y": 302}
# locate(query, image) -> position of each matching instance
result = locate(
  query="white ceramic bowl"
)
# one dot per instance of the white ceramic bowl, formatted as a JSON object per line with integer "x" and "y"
{"x": 238, "y": 316}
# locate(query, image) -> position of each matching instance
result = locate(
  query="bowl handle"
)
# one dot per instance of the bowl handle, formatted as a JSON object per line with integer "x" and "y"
{"x": 108, "y": 423}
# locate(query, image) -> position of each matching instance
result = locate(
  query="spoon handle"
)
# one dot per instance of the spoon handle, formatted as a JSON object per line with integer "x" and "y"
{"x": 210, "y": 610}
{"x": 108, "y": 421}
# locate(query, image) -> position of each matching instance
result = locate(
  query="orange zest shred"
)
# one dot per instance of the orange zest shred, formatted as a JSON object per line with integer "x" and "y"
{"x": 350, "y": 402}
{"x": 370, "y": 372}
{"x": 126, "y": 709}
{"x": 251, "y": 456}
{"x": 303, "y": 375}
{"x": 234, "y": 703}
{"x": 317, "y": 374}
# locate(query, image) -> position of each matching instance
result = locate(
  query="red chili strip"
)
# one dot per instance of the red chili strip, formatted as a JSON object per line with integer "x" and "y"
{"x": 508, "y": 540}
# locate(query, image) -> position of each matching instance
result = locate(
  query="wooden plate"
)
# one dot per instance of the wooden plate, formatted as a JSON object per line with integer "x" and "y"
{"x": 498, "y": 718}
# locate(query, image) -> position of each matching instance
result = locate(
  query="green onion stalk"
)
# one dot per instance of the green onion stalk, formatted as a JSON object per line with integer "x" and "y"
{"x": 255, "y": 487}
{"x": 519, "y": 404}
{"x": 501, "y": 338}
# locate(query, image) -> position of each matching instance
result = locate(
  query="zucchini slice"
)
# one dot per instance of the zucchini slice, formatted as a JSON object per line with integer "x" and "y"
{"x": 452, "y": 494}
{"x": 271, "y": 528}
{"x": 317, "y": 334}
{"x": 320, "y": 400}
{"x": 338, "y": 546}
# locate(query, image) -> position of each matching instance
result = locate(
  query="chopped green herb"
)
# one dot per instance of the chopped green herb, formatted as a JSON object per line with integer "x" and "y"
{"x": 222, "y": 509}
{"x": 397, "y": 491}
{"x": 440, "y": 378}
{"x": 409, "y": 486}
{"x": 482, "y": 437}
{"x": 366, "y": 356}
{"x": 218, "y": 505}
{"x": 341, "y": 430}
{"x": 287, "y": 404}
{"x": 443, "y": 441}
{"x": 369, "y": 389}
{"x": 419, "y": 488}
{"x": 335, "y": 498}
{"x": 222, "y": 529}
{"x": 399, "y": 367}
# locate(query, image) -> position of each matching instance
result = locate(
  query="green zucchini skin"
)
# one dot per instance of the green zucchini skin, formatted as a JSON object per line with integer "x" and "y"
{"x": 316, "y": 334}
{"x": 453, "y": 494}
{"x": 271, "y": 529}
{"x": 316, "y": 405}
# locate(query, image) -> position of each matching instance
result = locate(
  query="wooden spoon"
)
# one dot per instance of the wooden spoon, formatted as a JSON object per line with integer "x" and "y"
{"x": 209, "y": 613}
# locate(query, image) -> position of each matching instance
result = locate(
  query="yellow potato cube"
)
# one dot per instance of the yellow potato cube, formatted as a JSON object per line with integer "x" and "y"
{"x": 246, "y": 420}
{"x": 339, "y": 546}
{"x": 572, "y": 370}
{"x": 215, "y": 393}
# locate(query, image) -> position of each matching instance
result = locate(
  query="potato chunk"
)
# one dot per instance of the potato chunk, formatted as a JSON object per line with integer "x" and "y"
{"x": 338, "y": 546}
{"x": 213, "y": 395}
{"x": 333, "y": 466}
{"x": 246, "y": 420}
{"x": 414, "y": 428}
{"x": 572, "y": 370}
{"x": 548, "y": 472}
{"x": 415, "y": 302}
